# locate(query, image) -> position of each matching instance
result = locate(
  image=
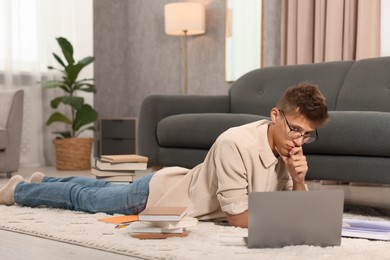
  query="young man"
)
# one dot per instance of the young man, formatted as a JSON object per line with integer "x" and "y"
{"x": 265, "y": 155}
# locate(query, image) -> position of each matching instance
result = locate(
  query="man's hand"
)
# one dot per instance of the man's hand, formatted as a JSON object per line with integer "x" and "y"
{"x": 297, "y": 166}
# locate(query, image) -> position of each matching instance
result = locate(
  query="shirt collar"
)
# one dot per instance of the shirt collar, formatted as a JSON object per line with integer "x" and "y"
{"x": 265, "y": 153}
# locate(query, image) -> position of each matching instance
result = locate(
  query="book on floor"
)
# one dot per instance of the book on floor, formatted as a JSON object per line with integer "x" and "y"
{"x": 142, "y": 227}
{"x": 132, "y": 166}
{"x": 124, "y": 158}
{"x": 122, "y": 179}
{"x": 120, "y": 219}
{"x": 162, "y": 214}
{"x": 185, "y": 222}
{"x": 109, "y": 173}
{"x": 158, "y": 235}
{"x": 369, "y": 229}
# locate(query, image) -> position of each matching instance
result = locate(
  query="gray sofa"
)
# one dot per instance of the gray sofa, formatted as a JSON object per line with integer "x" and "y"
{"x": 353, "y": 147}
{"x": 11, "y": 118}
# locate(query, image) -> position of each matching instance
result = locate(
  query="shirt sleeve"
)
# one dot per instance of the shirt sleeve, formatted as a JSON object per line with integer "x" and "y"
{"x": 232, "y": 192}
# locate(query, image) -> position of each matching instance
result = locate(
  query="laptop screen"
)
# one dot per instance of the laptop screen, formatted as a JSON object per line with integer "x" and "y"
{"x": 285, "y": 218}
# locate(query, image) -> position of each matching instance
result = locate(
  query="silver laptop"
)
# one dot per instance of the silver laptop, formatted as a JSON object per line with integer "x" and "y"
{"x": 284, "y": 218}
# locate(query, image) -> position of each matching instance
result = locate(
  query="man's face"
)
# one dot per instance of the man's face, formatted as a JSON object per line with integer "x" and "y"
{"x": 283, "y": 138}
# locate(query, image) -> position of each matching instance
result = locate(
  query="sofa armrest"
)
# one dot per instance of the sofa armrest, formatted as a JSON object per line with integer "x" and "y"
{"x": 156, "y": 107}
{"x": 11, "y": 119}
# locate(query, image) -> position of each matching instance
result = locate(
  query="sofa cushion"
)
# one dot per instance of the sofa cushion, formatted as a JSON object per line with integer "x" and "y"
{"x": 3, "y": 138}
{"x": 349, "y": 168}
{"x": 198, "y": 130}
{"x": 366, "y": 86}
{"x": 362, "y": 133}
{"x": 258, "y": 91}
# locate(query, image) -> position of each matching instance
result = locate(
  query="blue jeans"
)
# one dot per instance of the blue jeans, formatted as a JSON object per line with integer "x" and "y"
{"x": 85, "y": 194}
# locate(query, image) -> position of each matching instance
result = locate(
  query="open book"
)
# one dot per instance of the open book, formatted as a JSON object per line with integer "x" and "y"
{"x": 369, "y": 229}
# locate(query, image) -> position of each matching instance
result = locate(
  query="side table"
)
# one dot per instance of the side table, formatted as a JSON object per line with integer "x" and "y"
{"x": 117, "y": 135}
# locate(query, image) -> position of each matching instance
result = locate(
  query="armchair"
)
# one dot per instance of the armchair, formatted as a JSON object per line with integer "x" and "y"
{"x": 11, "y": 117}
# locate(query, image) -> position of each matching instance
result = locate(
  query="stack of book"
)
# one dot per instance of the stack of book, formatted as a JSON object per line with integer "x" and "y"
{"x": 119, "y": 168}
{"x": 162, "y": 222}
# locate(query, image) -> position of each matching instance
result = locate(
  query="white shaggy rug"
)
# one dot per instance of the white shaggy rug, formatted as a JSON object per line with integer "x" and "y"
{"x": 209, "y": 241}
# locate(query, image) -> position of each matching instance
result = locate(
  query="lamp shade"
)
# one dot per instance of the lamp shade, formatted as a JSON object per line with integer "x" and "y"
{"x": 184, "y": 17}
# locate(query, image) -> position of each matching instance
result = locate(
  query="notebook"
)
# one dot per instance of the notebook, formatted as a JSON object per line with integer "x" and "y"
{"x": 285, "y": 218}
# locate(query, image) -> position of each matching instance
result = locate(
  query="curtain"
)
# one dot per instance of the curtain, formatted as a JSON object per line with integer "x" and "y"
{"x": 329, "y": 30}
{"x": 28, "y": 29}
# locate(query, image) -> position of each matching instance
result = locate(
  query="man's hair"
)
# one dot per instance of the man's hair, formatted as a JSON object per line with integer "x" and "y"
{"x": 307, "y": 100}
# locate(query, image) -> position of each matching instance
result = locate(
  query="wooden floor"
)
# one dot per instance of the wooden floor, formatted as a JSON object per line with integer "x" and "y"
{"x": 20, "y": 246}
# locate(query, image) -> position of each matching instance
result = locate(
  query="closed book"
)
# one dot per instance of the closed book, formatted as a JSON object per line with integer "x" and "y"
{"x": 185, "y": 222}
{"x": 123, "y": 158}
{"x": 101, "y": 165}
{"x": 124, "y": 179}
{"x": 141, "y": 227}
{"x": 109, "y": 173}
{"x": 120, "y": 219}
{"x": 162, "y": 214}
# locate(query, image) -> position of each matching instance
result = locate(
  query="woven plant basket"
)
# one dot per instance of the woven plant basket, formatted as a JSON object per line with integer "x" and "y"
{"x": 73, "y": 153}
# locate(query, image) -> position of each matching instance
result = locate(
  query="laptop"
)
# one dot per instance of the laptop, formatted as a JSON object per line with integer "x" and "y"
{"x": 285, "y": 218}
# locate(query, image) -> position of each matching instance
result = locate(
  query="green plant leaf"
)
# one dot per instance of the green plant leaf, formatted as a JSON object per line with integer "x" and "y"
{"x": 86, "y": 60}
{"x": 53, "y": 84}
{"x": 86, "y": 87}
{"x": 76, "y": 102}
{"x": 82, "y": 80}
{"x": 73, "y": 72}
{"x": 56, "y": 84}
{"x": 85, "y": 129}
{"x": 55, "y": 102}
{"x": 84, "y": 116}
{"x": 59, "y": 60}
{"x": 90, "y": 89}
{"x": 64, "y": 134}
{"x": 65, "y": 88}
{"x": 67, "y": 49}
{"x": 58, "y": 117}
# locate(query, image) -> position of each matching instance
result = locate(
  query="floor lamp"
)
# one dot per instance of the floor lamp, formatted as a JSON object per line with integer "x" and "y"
{"x": 184, "y": 19}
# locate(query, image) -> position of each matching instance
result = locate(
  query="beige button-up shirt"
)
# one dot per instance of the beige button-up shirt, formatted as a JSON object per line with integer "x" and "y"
{"x": 240, "y": 161}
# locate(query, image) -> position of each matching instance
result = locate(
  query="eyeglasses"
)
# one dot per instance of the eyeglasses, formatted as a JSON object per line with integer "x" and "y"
{"x": 295, "y": 134}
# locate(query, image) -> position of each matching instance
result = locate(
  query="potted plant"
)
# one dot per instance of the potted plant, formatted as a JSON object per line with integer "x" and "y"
{"x": 72, "y": 151}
